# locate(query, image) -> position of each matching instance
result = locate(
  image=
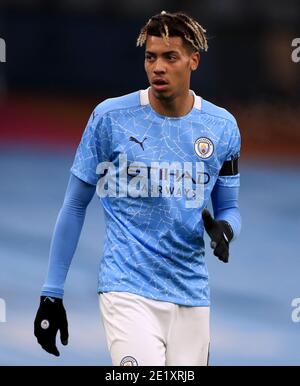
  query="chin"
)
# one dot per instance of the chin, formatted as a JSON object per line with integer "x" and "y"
{"x": 163, "y": 95}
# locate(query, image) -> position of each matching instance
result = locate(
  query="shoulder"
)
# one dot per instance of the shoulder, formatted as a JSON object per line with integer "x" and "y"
{"x": 217, "y": 112}
{"x": 118, "y": 103}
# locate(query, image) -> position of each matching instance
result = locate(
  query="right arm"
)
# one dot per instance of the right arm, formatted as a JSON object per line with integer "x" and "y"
{"x": 66, "y": 235}
{"x": 51, "y": 315}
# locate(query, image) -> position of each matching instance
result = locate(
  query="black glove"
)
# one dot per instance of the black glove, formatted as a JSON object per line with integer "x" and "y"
{"x": 220, "y": 233}
{"x": 51, "y": 317}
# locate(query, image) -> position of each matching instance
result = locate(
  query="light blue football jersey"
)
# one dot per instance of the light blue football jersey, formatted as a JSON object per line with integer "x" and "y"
{"x": 154, "y": 243}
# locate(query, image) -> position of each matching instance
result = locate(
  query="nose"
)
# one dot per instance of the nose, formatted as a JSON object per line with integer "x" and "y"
{"x": 159, "y": 67}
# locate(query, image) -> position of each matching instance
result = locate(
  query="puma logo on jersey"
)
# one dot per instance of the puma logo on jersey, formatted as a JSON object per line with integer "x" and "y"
{"x": 137, "y": 141}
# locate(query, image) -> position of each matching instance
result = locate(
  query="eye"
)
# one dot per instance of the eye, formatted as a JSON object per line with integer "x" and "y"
{"x": 172, "y": 57}
{"x": 149, "y": 57}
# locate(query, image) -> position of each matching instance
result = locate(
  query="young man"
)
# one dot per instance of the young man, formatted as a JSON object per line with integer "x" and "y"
{"x": 155, "y": 158}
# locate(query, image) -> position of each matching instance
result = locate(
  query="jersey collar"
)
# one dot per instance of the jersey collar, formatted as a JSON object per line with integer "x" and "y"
{"x": 144, "y": 99}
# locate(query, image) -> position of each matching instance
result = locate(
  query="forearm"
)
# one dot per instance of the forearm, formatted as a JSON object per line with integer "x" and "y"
{"x": 66, "y": 235}
{"x": 225, "y": 206}
{"x": 233, "y": 217}
{"x": 63, "y": 245}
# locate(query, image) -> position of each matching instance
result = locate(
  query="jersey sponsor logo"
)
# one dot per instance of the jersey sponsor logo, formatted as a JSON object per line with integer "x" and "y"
{"x": 163, "y": 179}
{"x": 141, "y": 143}
{"x": 204, "y": 147}
{"x": 128, "y": 361}
{"x": 201, "y": 178}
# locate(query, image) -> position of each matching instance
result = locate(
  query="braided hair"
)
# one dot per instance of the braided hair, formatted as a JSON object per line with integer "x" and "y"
{"x": 180, "y": 24}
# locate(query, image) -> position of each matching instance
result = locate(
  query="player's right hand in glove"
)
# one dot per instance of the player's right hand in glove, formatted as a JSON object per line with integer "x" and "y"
{"x": 220, "y": 233}
{"x": 51, "y": 317}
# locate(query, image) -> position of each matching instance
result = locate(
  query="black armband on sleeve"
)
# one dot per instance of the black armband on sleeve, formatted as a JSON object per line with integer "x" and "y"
{"x": 229, "y": 168}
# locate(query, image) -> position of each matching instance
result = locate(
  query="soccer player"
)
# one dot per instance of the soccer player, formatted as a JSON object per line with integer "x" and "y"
{"x": 155, "y": 158}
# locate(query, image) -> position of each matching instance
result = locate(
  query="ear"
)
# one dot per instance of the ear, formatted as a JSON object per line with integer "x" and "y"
{"x": 194, "y": 61}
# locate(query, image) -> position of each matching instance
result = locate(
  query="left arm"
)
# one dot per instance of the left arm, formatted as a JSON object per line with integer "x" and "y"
{"x": 225, "y": 203}
{"x": 227, "y": 222}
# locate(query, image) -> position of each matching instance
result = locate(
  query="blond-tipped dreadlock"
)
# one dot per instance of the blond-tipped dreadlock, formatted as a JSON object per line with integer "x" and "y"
{"x": 168, "y": 24}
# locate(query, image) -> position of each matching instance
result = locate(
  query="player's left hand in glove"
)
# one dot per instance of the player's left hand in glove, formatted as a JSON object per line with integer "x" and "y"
{"x": 220, "y": 233}
{"x": 51, "y": 317}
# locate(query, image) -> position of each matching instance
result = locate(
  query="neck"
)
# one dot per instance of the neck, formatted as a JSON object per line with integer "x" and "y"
{"x": 177, "y": 106}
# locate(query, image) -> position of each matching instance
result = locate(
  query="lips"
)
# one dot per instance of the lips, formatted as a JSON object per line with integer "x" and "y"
{"x": 159, "y": 83}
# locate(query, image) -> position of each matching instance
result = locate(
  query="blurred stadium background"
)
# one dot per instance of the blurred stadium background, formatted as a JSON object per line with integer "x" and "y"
{"x": 65, "y": 56}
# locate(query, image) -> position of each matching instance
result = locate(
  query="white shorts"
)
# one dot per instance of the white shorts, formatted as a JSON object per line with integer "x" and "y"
{"x": 146, "y": 332}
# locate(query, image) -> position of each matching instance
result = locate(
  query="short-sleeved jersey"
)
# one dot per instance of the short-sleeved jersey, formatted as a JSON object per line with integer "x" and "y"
{"x": 154, "y": 239}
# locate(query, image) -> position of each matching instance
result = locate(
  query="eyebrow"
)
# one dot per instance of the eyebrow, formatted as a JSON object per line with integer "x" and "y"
{"x": 164, "y": 53}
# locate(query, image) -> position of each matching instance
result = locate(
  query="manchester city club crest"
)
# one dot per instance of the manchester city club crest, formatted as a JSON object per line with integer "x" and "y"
{"x": 204, "y": 147}
{"x": 128, "y": 361}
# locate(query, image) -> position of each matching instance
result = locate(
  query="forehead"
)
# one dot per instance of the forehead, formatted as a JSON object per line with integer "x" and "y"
{"x": 158, "y": 45}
